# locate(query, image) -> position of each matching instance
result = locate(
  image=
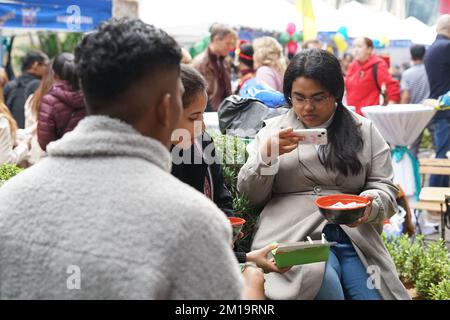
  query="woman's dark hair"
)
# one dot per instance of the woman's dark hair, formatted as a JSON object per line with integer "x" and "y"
{"x": 193, "y": 83}
{"x": 246, "y": 55}
{"x": 344, "y": 135}
{"x": 64, "y": 67}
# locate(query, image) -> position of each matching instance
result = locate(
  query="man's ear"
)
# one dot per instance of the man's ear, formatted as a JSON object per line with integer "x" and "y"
{"x": 163, "y": 110}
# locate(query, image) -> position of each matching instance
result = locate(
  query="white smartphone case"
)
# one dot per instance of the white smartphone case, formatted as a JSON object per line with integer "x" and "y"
{"x": 313, "y": 136}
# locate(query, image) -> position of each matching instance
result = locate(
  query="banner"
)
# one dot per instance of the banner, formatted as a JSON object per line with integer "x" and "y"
{"x": 56, "y": 15}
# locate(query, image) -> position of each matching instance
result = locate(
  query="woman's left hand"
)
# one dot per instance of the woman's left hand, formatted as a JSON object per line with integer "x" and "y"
{"x": 365, "y": 217}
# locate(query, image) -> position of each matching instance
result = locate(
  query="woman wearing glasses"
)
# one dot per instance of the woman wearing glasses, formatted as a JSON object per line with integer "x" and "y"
{"x": 286, "y": 176}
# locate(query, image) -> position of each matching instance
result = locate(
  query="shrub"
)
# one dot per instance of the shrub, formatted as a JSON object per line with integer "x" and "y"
{"x": 233, "y": 152}
{"x": 399, "y": 248}
{"x": 426, "y": 267}
{"x": 413, "y": 264}
{"x": 435, "y": 269}
{"x": 7, "y": 171}
{"x": 440, "y": 291}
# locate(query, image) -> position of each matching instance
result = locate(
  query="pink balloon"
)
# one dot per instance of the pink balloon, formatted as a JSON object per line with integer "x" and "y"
{"x": 291, "y": 28}
{"x": 292, "y": 47}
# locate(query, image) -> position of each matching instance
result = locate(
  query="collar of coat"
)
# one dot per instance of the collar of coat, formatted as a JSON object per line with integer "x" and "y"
{"x": 102, "y": 136}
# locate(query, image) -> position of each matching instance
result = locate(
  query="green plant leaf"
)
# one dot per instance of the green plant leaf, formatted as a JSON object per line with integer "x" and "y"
{"x": 7, "y": 171}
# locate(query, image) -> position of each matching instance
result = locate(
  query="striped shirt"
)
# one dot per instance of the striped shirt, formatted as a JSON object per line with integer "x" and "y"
{"x": 415, "y": 81}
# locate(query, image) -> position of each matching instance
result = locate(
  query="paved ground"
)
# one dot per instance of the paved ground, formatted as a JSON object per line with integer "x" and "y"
{"x": 437, "y": 234}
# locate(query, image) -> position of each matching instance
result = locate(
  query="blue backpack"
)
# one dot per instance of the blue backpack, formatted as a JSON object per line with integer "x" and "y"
{"x": 268, "y": 96}
{"x": 444, "y": 101}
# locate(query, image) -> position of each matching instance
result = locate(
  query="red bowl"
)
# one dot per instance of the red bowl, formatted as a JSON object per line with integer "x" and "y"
{"x": 236, "y": 224}
{"x": 235, "y": 221}
{"x": 341, "y": 215}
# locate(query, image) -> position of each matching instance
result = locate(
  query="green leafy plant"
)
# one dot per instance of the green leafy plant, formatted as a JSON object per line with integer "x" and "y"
{"x": 53, "y": 43}
{"x": 426, "y": 267}
{"x": 399, "y": 248}
{"x": 413, "y": 264}
{"x": 427, "y": 142}
{"x": 440, "y": 291}
{"x": 232, "y": 151}
{"x": 7, "y": 171}
{"x": 435, "y": 268}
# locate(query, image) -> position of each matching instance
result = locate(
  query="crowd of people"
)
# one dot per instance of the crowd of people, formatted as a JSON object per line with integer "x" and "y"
{"x": 102, "y": 130}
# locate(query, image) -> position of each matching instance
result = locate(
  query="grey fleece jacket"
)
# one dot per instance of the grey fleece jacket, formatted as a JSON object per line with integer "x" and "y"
{"x": 102, "y": 218}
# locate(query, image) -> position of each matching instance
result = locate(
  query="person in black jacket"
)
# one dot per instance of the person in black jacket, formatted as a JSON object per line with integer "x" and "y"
{"x": 16, "y": 92}
{"x": 193, "y": 159}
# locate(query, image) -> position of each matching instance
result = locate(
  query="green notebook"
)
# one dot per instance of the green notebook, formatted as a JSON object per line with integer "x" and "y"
{"x": 297, "y": 253}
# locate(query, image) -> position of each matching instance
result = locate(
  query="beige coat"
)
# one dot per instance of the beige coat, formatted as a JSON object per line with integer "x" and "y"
{"x": 290, "y": 214}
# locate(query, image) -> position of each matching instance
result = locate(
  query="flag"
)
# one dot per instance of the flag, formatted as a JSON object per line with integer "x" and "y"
{"x": 305, "y": 8}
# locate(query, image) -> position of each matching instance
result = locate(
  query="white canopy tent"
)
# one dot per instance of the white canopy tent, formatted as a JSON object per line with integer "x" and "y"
{"x": 189, "y": 21}
{"x": 418, "y": 32}
{"x": 362, "y": 22}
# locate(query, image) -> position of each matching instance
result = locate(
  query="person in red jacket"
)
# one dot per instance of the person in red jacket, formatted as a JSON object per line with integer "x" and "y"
{"x": 362, "y": 89}
{"x": 63, "y": 106}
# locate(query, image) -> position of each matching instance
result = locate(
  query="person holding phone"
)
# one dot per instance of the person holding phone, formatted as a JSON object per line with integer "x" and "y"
{"x": 193, "y": 160}
{"x": 285, "y": 176}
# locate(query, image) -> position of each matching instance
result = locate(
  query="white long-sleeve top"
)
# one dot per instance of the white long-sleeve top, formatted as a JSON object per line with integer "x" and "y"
{"x": 35, "y": 153}
{"x": 9, "y": 153}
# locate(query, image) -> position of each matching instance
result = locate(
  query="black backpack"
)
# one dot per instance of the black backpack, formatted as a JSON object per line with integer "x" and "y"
{"x": 15, "y": 100}
{"x": 243, "y": 117}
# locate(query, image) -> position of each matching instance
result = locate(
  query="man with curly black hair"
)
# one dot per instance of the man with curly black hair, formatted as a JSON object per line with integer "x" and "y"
{"x": 101, "y": 217}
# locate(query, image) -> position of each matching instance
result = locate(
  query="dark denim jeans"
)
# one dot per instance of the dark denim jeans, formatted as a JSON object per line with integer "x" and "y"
{"x": 345, "y": 276}
{"x": 442, "y": 145}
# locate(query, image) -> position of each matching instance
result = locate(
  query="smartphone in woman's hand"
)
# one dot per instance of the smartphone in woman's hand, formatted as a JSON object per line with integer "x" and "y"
{"x": 313, "y": 136}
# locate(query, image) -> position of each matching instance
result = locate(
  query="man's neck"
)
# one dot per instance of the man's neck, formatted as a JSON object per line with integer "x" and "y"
{"x": 417, "y": 62}
{"x": 213, "y": 51}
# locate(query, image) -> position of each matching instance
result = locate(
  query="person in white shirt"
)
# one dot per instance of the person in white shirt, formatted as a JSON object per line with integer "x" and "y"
{"x": 32, "y": 106}
{"x": 12, "y": 150}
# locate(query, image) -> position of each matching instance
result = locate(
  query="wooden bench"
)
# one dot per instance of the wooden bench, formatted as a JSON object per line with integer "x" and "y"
{"x": 433, "y": 198}
{"x": 435, "y": 166}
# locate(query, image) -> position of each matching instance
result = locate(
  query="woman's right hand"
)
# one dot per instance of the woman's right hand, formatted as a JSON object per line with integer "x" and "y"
{"x": 281, "y": 142}
{"x": 260, "y": 258}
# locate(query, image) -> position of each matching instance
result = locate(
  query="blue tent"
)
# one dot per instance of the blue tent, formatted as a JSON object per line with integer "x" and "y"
{"x": 55, "y": 15}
